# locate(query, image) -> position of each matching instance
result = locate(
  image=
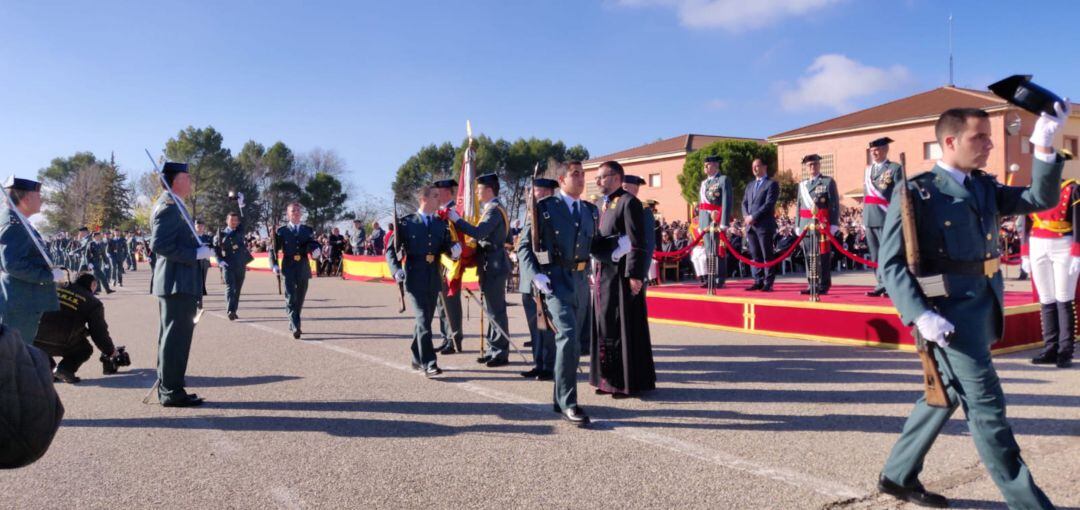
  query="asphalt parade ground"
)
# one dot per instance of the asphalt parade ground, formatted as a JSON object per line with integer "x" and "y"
{"x": 340, "y": 420}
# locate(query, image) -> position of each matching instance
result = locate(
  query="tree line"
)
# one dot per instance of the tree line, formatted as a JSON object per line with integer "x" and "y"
{"x": 82, "y": 190}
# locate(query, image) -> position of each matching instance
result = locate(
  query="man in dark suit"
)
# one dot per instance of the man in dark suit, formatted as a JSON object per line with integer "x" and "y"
{"x": 759, "y": 219}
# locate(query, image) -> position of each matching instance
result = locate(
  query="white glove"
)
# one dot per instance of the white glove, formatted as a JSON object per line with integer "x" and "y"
{"x": 399, "y": 275}
{"x": 316, "y": 253}
{"x": 275, "y": 269}
{"x": 203, "y": 253}
{"x": 222, "y": 264}
{"x": 240, "y": 200}
{"x": 934, "y": 327}
{"x": 1074, "y": 266}
{"x": 798, "y": 231}
{"x": 59, "y": 276}
{"x": 91, "y": 266}
{"x": 542, "y": 283}
{"x": 453, "y": 215}
{"x": 622, "y": 249}
{"x": 455, "y": 251}
{"x": 1025, "y": 264}
{"x": 1048, "y": 125}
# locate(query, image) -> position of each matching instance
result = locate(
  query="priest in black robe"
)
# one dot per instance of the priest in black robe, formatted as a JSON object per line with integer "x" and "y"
{"x": 621, "y": 359}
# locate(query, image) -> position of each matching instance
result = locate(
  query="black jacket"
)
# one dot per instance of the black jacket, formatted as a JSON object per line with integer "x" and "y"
{"x": 80, "y": 313}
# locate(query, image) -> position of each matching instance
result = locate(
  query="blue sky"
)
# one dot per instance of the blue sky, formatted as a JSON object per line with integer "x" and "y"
{"x": 377, "y": 80}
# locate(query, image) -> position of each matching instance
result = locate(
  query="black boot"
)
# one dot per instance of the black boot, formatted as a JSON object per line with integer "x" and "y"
{"x": 1050, "y": 331}
{"x": 1067, "y": 334}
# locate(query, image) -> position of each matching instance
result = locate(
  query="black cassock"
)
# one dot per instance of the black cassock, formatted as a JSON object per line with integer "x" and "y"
{"x": 621, "y": 359}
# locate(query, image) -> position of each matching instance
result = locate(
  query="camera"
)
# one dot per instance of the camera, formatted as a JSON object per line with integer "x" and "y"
{"x": 110, "y": 365}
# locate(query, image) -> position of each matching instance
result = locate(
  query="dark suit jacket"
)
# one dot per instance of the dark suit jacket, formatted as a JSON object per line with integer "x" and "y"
{"x": 760, "y": 203}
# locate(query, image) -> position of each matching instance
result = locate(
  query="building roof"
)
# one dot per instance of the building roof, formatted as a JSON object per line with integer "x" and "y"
{"x": 675, "y": 146}
{"x": 928, "y": 104}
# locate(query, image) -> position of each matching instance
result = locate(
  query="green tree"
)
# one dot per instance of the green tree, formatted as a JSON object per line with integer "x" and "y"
{"x": 430, "y": 162}
{"x": 736, "y": 157}
{"x": 208, "y": 163}
{"x": 789, "y": 189}
{"x": 324, "y": 200}
{"x": 81, "y": 190}
{"x": 577, "y": 153}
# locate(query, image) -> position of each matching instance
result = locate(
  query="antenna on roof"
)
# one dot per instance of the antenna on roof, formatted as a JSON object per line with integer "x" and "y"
{"x": 951, "y": 82}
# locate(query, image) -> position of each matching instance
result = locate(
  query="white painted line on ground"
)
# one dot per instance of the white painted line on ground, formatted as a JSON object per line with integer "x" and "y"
{"x": 696, "y": 451}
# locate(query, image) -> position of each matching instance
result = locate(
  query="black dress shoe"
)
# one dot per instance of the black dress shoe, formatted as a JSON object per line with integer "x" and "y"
{"x": 755, "y": 287}
{"x": 1064, "y": 362}
{"x": 576, "y": 416}
{"x": 296, "y": 334}
{"x": 531, "y": 373}
{"x": 432, "y": 372}
{"x": 1046, "y": 358}
{"x": 109, "y": 291}
{"x": 65, "y": 377}
{"x": 191, "y": 400}
{"x": 232, "y": 316}
{"x": 483, "y": 359}
{"x": 496, "y": 362}
{"x": 619, "y": 396}
{"x": 805, "y": 292}
{"x": 917, "y": 495}
{"x": 767, "y": 288}
{"x": 545, "y": 375}
{"x": 875, "y": 292}
{"x": 448, "y": 349}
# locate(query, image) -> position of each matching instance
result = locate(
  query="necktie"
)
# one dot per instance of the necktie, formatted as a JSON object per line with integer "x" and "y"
{"x": 426, "y": 218}
{"x": 576, "y": 212}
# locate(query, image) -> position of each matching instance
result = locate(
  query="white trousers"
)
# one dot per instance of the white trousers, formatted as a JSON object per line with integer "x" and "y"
{"x": 1050, "y": 269}
{"x": 699, "y": 260}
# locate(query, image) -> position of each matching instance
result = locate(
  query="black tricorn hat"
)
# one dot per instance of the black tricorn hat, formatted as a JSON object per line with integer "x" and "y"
{"x": 488, "y": 179}
{"x": 712, "y": 159}
{"x": 633, "y": 179}
{"x": 543, "y": 182}
{"x": 810, "y": 157}
{"x": 14, "y": 183}
{"x": 444, "y": 184}
{"x": 1019, "y": 90}
{"x": 881, "y": 142}
{"x": 172, "y": 168}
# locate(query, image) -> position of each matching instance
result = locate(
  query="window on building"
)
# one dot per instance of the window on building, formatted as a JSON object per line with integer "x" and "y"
{"x": 1071, "y": 144}
{"x": 931, "y": 151}
{"x": 828, "y": 166}
{"x": 654, "y": 180}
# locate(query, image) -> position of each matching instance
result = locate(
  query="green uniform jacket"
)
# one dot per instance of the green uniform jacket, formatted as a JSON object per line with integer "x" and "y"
{"x": 823, "y": 193}
{"x": 26, "y": 279}
{"x": 176, "y": 271}
{"x": 884, "y": 179}
{"x": 421, "y": 243}
{"x": 958, "y": 225}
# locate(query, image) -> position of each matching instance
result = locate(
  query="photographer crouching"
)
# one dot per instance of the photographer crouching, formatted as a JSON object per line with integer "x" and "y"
{"x": 63, "y": 333}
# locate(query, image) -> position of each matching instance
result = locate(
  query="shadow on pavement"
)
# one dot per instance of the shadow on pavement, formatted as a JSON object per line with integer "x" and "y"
{"x": 144, "y": 377}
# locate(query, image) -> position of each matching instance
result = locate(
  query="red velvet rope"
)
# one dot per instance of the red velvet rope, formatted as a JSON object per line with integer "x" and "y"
{"x": 787, "y": 253}
{"x": 832, "y": 239}
{"x": 661, "y": 256}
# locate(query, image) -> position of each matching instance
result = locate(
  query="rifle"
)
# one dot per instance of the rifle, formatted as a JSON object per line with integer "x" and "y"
{"x": 273, "y": 254}
{"x": 933, "y": 386}
{"x": 399, "y": 252}
{"x": 543, "y": 322}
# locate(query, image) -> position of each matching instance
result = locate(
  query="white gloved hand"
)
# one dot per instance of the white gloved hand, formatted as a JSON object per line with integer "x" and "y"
{"x": 455, "y": 251}
{"x": 275, "y": 269}
{"x": 1025, "y": 264}
{"x": 222, "y": 264}
{"x": 1048, "y": 125}
{"x": 621, "y": 249}
{"x": 316, "y": 253}
{"x": 453, "y": 215}
{"x": 542, "y": 283}
{"x": 203, "y": 253}
{"x": 1074, "y": 266}
{"x": 798, "y": 231}
{"x": 240, "y": 200}
{"x": 91, "y": 266}
{"x": 399, "y": 275}
{"x": 934, "y": 327}
{"x": 59, "y": 275}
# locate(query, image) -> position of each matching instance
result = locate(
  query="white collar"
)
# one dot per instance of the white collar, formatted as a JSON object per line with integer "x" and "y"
{"x": 957, "y": 175}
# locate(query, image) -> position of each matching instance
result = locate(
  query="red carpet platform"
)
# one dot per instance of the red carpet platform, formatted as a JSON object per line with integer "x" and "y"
{"x": 846, "y": 315}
